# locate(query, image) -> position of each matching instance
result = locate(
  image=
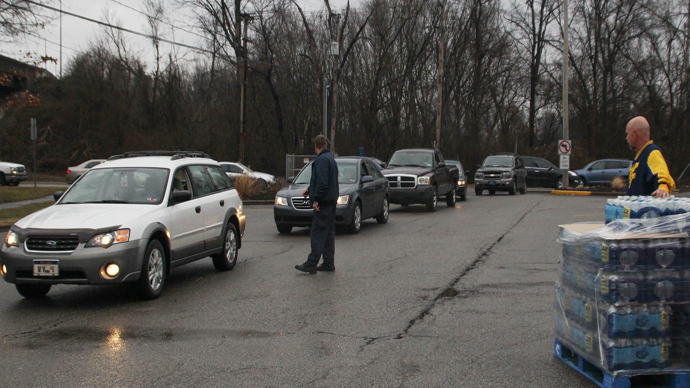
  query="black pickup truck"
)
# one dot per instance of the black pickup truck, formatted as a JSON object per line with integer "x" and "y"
{"x": 420, "y": 176}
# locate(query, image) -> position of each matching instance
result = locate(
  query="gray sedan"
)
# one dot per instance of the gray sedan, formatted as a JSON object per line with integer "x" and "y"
{"x": 363, "y": 195}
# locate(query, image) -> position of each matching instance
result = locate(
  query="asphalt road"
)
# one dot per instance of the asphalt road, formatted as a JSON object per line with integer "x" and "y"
{"x": 457, "y": 298}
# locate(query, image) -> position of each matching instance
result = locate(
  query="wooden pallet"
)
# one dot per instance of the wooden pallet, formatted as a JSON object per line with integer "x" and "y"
{"x": 669, "y": 379}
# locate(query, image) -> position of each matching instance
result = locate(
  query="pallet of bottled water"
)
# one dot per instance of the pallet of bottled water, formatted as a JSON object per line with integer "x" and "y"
{"x": 634, "y": 207}
{"x": 622, "y": 299}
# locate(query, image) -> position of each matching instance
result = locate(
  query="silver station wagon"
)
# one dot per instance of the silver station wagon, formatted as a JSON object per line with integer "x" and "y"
{"x": 130, "y": 219}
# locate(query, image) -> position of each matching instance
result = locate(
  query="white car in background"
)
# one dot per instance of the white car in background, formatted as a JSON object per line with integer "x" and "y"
{"x": 75, "y": 172}
{"x": 234, "y": 170}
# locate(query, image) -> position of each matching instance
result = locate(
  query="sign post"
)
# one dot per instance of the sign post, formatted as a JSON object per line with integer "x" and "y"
{"x": 34, "y": 136}
{"x": 565, "y": 148}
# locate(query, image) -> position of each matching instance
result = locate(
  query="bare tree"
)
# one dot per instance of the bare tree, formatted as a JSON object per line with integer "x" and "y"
{"x": 20, "y": 17}
{"x": 532, "y": 19}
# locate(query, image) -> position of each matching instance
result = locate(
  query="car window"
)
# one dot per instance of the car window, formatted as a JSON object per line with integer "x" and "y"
{"x": 616, "y": 164}
{"x": 235, "y": 169}
{"x": 91, "y": 164}
{"x": 518, "y": 163}
{"x": 530, "y": 162}
{"x": 542, "y": 163}
{"x": 419, "y": 159}
{"x": 225, "y": 167}
{"x": 363, "y": 170}
{"x": 347, "y": 173}
{"x": 498, "y": 161}
{"x": 599, "y": 165}
{"x": 201, "y": 182}
{"x": 373, "y": 171}
{"x": 181, "y": 180}
{"x": 219, "y": 178}
{"x": 119, "y": 185}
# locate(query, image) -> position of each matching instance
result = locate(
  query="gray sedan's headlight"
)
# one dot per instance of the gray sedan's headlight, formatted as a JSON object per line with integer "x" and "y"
{"x": 506, "y": 175}
{"x": 11, "y": 239}
{"x": 424, "y": 180}
{"x": 342, "y": 200}
{"x": 281, "y": 201}
{"x": 105, "y": 240}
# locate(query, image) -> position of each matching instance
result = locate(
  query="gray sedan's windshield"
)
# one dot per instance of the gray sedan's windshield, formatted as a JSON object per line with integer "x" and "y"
{"x": 119, "y": 185}
{"x": 347, "y": 174}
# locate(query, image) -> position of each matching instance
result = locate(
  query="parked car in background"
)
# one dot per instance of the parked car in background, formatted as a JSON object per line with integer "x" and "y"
{"x": 234, "y": 169}
{"x": 542, "y": 173}
{"x": 602, "y": 172}
{"x": 76, "y": 171}
{"x": 461, "y": 189}
{"x": 12, "y": 173}
{"x": 501, "y": 172}
{"x": 363, "y": 195}
{"x": 131, "y": 219}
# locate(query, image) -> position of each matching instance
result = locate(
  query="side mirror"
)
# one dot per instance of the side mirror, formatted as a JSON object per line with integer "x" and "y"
{"x": 179, "y": 196}
{"x": 441, "y": 164}
{"x": 291, "y": 179}
{"x": 367, "y": 179}
{"x": 57, "y": 195}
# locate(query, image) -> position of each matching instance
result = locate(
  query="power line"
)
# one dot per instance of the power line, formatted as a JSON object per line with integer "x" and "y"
{"x": 121, "y": 28}
{"x": 157, "y": 19}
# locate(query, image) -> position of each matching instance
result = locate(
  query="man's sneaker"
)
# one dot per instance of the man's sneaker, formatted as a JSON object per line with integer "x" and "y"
{"x": 306, "y": 268}
{"x": 325, "y": 267}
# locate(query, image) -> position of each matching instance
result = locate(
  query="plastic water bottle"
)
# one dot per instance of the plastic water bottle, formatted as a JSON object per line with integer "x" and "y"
{"x": 664, "y": 286}
{"x": 609, "y": 210}
{"x": 665, "y": 253}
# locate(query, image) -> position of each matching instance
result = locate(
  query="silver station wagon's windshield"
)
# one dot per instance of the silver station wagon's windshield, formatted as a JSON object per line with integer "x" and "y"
{"x": 119, "y": 185}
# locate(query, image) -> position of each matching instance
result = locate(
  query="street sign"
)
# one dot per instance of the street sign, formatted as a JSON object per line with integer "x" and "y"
{"x": 565, "y": 162}
{"x": 34, "y": 130}
{"x": 564, "y": 147}
{"x": 361, "y": 151}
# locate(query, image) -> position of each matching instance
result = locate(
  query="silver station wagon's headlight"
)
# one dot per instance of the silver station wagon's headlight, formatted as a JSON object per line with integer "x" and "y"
{"x": 105, "y": 240}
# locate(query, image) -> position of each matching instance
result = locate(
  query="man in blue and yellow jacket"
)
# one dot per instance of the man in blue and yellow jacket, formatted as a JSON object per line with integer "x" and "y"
{"x": 648, "y": 173}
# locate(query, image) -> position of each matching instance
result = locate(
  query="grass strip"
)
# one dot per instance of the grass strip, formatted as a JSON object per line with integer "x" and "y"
{"x": 10, "y": 216}
{"x": 15, "y": 194}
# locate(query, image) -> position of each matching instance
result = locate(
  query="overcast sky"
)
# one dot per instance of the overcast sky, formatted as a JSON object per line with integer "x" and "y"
{"x": 77, "y": 34}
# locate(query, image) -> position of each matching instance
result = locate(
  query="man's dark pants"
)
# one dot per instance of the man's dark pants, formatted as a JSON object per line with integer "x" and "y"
{"x": 323, "y": 235}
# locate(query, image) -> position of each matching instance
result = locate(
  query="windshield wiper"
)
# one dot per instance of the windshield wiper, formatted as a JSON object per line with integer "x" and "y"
{"x": 107, "y": 201}
{"x": 415, "y": 165}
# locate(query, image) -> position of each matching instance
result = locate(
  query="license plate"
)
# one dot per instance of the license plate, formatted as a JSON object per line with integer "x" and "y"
{"x": 491, "y": 183}
{"x": 46, "y": 268}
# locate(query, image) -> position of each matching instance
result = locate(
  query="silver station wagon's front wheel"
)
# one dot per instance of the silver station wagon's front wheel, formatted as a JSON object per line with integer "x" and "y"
{"x": 152, "y": 278}
{"x": 227, "y": 258}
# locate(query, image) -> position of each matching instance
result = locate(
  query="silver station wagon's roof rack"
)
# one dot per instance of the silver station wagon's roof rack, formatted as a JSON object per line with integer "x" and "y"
{"x": 173, "y": 154}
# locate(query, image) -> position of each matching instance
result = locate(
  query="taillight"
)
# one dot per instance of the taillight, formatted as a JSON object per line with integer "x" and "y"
{"x": 240, "y": 194}
{"x": 68, "y": 171}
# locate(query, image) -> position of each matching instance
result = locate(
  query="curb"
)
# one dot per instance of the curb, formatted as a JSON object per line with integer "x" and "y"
{"x": 586, "y": 193}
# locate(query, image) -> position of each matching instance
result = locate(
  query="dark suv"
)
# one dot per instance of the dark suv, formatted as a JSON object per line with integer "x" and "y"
{"x": 501, "y": 172}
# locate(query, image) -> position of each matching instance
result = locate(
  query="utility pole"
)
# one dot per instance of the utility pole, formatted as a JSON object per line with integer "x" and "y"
{"x": 242, "y": 63}
{"x": 441, "y": 54}
{"x": 566, "y": 135}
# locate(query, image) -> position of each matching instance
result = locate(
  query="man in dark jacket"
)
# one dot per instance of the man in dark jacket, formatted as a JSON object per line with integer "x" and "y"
{"x": 649, "y": 173}
{"x": 323, "y": 193}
